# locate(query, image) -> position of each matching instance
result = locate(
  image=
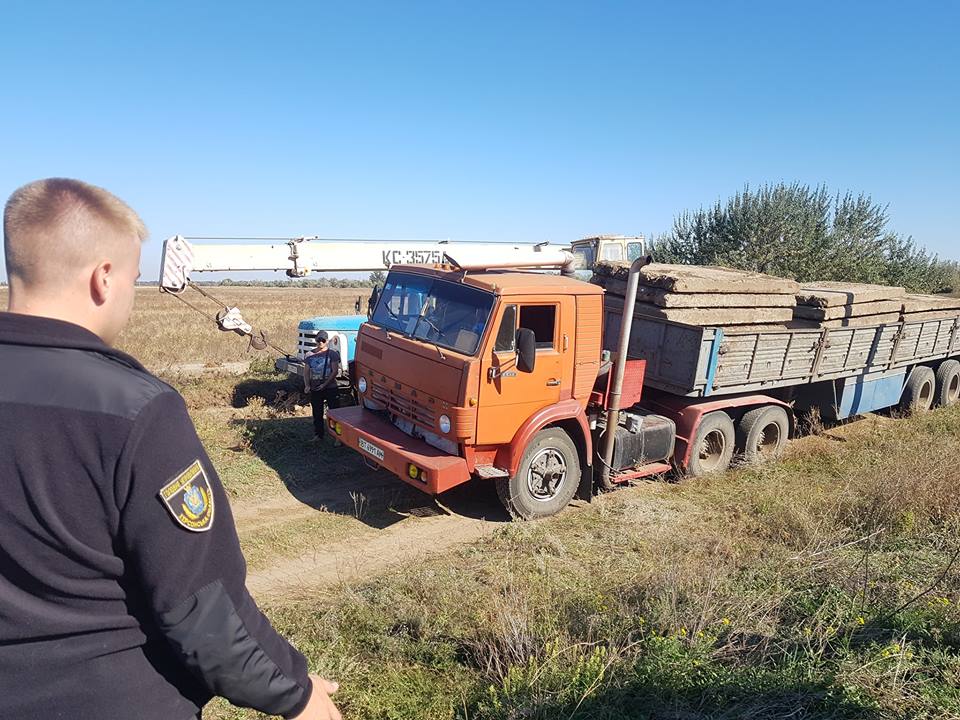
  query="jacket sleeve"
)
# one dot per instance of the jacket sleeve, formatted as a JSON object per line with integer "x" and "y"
{"x": 179, "y": 541}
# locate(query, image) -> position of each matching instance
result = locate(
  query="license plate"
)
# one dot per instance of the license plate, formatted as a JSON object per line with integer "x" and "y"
{"x": 370, "y": 448}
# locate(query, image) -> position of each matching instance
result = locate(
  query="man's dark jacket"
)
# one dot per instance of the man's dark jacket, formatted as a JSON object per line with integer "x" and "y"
{"x": 121, "y": 579}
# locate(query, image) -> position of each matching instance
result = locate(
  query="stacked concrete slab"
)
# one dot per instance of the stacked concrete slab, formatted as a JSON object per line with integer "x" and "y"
{"x": 742, "y": 301}
{"x": 709, "y": 296}
{"x": 929, "y": 307}
{"x": 839, "y": 304}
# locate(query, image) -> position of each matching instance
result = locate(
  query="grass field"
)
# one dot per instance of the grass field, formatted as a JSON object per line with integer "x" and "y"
{"x": 822, "y": 586}
{"x": 165, "y": 333}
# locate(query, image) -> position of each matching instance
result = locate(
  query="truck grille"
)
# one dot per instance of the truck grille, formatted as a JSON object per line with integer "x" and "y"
{"x": 306, "y": 342}
{"x": 406, "y": 407}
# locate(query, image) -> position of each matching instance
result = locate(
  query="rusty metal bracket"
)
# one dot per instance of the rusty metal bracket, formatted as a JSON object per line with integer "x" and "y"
{"x": 822, "y": 346}
{"x": 896, "y": 345}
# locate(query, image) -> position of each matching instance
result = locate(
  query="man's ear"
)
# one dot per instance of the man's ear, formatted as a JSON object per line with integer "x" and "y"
{"x": 100, "y": 282}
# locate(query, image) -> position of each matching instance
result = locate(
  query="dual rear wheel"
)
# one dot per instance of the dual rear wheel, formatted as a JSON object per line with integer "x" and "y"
{"x": 947, "y": 378}
{"x": 761, "y": 433}
{"x": 926, "y": 388}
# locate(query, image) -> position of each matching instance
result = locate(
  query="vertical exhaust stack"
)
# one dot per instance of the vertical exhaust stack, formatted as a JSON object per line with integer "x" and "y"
{"x": 616, "y": 388}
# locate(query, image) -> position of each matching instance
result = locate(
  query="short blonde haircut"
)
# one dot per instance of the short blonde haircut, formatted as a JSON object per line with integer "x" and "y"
{"x": 56, "y": 226}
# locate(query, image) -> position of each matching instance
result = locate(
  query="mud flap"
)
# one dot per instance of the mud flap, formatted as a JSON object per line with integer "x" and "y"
{"x": 585, "y": 490}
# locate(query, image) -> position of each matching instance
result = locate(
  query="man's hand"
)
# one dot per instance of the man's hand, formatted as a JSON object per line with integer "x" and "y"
{"x": 320, "y": 706}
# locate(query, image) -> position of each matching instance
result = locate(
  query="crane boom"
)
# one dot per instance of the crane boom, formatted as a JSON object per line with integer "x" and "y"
{"x": 300, "y": 256}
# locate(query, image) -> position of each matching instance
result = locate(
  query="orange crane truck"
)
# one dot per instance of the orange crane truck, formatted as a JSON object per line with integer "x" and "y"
{"x": 517, "y": 377}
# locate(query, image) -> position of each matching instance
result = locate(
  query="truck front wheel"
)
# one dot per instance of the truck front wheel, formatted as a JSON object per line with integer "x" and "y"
{"x": 546, "y": 479}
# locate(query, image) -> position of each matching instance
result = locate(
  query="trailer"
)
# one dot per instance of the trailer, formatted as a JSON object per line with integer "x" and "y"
{"x": 544, "y": 386}
{"x": 697, "y": 361}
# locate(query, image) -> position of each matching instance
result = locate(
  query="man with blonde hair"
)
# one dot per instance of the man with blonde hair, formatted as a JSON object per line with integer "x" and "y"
{"x": 122, "y": 584}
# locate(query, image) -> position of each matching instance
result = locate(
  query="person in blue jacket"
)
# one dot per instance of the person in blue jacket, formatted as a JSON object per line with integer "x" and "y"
{"x": 122, "y": 584}
{"x": 323, "y": 368}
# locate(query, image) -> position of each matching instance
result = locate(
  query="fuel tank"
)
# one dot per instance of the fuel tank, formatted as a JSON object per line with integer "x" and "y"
{"x": 642, "y": 437}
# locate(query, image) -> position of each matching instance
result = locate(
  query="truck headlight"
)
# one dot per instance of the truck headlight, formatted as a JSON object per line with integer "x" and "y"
{"x": 444, "y": 423}
{"x": 362, "y": 384}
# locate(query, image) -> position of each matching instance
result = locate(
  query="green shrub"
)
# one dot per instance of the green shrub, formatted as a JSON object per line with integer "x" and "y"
{"x": 805, "y": 233}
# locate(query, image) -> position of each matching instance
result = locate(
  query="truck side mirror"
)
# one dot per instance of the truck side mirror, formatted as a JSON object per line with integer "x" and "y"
{"x": 526, "y": 350}
{"x": 372, "y": 302}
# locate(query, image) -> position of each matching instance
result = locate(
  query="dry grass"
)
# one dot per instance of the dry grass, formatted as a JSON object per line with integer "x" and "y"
{"x": 877, "y": 475}
{"x": 796, "y": 589}
{"x": 164, "y": 333}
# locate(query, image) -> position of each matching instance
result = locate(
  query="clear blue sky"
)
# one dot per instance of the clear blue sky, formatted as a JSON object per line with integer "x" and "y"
{"x": 480, "y": 120}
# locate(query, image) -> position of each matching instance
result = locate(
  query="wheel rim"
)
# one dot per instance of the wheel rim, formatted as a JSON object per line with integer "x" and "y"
{"x": 769, "y": 440}
{"x": 712, "y": 450}
{"x": 548, "y": 470}
{"x": 953, "y": 388}
{"x": 925, "y": 395}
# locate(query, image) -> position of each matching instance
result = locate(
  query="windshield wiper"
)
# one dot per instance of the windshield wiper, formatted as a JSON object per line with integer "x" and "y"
{"x": 398, "y": 328}
{"x": 422, "y": 315}
{"x": 426, "y": 339}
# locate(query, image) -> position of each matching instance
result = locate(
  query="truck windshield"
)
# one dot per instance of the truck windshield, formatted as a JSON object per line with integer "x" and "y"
{"x": 441, "y": 312}
{"x": 585, "y": 257}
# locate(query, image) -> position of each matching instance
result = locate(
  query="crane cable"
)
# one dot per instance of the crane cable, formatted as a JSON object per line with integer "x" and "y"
{"x": 258, "y": 339}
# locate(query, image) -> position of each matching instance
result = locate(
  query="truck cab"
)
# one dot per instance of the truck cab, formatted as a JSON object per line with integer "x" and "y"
{"x": 343, "y": 330}
{"x": 606, "y": 248}
{"x": 459, "y": 372}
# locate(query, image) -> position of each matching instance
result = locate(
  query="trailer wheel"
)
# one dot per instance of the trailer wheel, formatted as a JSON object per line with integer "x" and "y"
{"x": 763, "y": 432}
{"x": 918, "y": 393}
{"x": 712, "y": 447}
{"x": 948, "y": 383}
{"x": 546, "y": 480}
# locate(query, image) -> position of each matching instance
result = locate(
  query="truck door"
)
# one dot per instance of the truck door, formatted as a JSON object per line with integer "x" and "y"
{"x": 507, "y": 396}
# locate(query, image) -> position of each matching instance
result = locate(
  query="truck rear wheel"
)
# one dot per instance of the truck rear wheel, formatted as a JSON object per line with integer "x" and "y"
{"x": 546, "y": 479}
{"x": 948, "y": 383}
{"x": 918, "y": 393}
{"x": 763, "y": 432}
{"x": 712, "y": 447}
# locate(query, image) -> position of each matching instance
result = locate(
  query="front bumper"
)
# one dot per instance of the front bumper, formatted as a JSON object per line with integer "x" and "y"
{"x": 293, "y": 366}
{"x": 439, "y": 471}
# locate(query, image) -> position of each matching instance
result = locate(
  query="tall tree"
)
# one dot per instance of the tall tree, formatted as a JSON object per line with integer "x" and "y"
{"x": 806, "y": 233}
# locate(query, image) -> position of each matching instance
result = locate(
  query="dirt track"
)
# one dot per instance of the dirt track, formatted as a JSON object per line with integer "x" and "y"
{"x": 402, "y": 525}
{"x": 379, "y": 522}
{"x": 352, "y": 559}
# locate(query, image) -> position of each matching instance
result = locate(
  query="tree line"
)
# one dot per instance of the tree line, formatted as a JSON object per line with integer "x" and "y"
{"x": 805, "y": 233}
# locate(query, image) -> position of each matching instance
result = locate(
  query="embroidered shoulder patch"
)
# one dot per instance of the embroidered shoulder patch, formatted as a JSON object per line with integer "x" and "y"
{"x": 189, "y": 498}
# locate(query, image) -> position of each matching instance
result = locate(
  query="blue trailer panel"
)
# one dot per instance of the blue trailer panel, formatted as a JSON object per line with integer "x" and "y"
{"x": 864, "y": 394}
